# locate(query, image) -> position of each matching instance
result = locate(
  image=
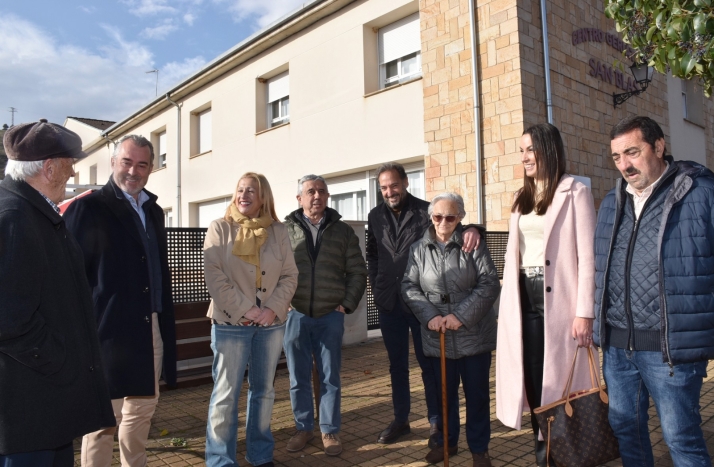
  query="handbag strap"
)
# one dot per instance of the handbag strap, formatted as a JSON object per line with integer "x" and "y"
{"x": 594, "y": 379}
{"x": 547, "y": 450}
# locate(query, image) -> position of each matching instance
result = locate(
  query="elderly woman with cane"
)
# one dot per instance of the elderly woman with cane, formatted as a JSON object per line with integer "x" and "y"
{"x": 452, "y": 292}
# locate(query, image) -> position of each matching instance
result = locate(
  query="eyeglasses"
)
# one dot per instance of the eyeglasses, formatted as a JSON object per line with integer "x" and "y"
{"x": 438, "y": 218}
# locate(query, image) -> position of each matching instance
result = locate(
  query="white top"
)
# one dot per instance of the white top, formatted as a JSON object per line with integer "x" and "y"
{"x": 530, "y": 239}
{"x": 641, "y": 199}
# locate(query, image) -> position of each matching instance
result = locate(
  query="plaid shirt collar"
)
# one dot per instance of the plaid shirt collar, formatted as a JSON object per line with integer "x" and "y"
{"x": 54, "y": 206}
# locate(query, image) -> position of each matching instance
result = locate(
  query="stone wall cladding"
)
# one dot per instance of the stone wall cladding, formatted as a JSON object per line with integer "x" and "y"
{"x": 512, "y": 87}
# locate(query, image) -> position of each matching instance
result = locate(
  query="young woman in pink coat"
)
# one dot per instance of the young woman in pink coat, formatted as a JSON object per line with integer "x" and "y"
{"x": 546, "y": 309}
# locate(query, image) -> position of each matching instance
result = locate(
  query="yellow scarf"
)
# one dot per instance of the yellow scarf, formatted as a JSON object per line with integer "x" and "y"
{"x": 250, "y": 237}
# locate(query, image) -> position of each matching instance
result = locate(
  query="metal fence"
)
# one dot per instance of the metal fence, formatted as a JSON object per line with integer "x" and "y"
{"x": 186, "y": 264}
{"x": 187, "y": 274}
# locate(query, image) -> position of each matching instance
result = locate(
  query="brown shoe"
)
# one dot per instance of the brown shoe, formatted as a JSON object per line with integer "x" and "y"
{"x": 481, "y": 459}
{"x": 436, "y": 455}
{"x": 299, "y": 440}
{"x": 332, "y": 444}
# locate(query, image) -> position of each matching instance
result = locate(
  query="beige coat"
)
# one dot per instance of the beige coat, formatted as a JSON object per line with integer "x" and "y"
{"x": 570, "y": 274}
{"x": 231, "y": 281}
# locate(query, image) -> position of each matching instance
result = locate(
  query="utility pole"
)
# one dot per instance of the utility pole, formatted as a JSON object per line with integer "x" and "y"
{"x": 157, "y": 79}
{"x": 12, "y": 110}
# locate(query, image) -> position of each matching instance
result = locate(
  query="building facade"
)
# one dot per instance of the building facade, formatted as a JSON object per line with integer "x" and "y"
{"x": 339, "y": 87}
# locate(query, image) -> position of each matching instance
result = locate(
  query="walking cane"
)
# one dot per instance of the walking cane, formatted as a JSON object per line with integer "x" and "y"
{"x": 444, "y": 416}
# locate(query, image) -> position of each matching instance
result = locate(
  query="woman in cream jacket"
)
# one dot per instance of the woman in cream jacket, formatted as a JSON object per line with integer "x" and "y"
{"x": 251, "y": 276}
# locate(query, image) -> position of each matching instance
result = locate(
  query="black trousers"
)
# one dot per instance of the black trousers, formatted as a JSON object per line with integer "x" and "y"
{"x": 532, "y": 309}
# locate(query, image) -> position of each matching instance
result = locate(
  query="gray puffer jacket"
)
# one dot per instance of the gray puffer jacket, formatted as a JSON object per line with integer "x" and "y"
{"x": 452, "y": 282}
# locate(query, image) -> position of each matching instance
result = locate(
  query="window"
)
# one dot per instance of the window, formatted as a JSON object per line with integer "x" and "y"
{"x": 692, "y": 102}
{"x": 212, "y": 210}
{"x": 278, "y": 100}
{"x": 204, "y": 131}
{"x": 399, "y": 51}
{"x": 352, "y": 206}
{"x": 168, "y": 218}
{"x": 416, "y": 184}
{"x": 161, "y": 150}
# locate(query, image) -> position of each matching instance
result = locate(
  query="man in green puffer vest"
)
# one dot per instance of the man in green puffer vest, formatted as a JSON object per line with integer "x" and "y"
{"x": 332, "y": 280}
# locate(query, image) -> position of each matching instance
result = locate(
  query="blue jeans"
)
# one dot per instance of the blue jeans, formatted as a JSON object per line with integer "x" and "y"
{"x": 63, "y": 456}
{"x": 631, "y": 377}
{"x": 473, "y": 373}
{"x": 395, "y": 327}
{"x": 234, "y": 348}
{"x": 321, "y": 337}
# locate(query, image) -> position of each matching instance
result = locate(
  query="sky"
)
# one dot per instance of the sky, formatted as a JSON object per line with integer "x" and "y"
{"x": 89, "y": 58}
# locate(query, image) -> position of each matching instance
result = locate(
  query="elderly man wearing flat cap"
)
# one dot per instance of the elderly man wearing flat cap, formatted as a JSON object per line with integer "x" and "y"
{"x": 120, "y": 229}
{"x": 52, "y": 386}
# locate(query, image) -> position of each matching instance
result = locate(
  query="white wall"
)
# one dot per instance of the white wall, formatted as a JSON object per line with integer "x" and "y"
{"x": 687, "y": 140}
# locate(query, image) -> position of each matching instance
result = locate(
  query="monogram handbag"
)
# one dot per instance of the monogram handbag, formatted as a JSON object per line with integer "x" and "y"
{"x": 576, "y": 427}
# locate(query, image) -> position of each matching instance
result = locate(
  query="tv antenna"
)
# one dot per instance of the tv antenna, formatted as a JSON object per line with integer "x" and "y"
{"x": 157, "y": 79}
{"x": 13, "y": 111}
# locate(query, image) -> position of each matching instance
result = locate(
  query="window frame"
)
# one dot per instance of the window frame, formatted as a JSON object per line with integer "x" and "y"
{"x": 404, "y": 26}
{"x": 161, "y": 156}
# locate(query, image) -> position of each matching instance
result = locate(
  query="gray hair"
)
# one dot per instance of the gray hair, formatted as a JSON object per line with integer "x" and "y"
{"x": 389, "y": 166}
{"x": 22, "y": 170}
{"x": 309, "y": 178}
{"x": 136, "y": 139}
{"x": 453, "y": 197}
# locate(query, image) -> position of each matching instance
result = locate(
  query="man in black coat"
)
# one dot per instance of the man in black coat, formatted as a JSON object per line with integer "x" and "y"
{"x": 52, "y": 387}
{"x": 393, "y": 226}
{"x": 120, "y": 229}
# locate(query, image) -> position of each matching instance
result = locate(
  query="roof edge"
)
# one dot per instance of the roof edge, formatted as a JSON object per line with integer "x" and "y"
{"x": 251, "y": 43}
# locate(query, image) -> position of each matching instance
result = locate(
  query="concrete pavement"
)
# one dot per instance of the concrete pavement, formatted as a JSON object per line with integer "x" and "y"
{"x": 366, "y": 410}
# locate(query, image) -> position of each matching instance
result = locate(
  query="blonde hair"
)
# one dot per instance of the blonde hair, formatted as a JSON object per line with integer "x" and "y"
{"x": 264, "y": 191}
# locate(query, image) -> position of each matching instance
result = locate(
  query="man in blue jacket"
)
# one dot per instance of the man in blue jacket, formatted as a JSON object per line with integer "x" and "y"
{"x": 654, "y": 247}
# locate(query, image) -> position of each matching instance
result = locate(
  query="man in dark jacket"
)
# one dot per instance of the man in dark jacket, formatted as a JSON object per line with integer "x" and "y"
{"x": 654, "y": 304}
{"x": 393, "y": 226}
{"x": 52, "y": 387}
{"x": 121, "y": 231}
{"x": 331, "y": 283}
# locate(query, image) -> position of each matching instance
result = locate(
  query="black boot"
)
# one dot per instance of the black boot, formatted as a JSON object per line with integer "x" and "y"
{"x": 540, "y": 453}
{"x": 541, "y": 447}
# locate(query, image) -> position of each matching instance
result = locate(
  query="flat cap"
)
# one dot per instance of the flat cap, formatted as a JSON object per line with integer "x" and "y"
{"x": 38, "y": 141}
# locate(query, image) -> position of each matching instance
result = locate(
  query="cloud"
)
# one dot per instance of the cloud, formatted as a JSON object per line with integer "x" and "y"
{"x": 44, "y": 78}
{"x": 160, "y": 32}
{"x": 149, "y": 7}
{"x": 88, "y": 9}
{"x": 189, "y": 18}
{"x": 263, "y": 11}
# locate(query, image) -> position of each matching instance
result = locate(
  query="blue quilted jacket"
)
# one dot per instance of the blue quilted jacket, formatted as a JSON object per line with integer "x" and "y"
{"x": 679, "y": 291}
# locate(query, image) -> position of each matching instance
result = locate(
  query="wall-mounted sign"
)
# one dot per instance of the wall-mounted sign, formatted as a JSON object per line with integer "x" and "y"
{"x": 603, "y": 71}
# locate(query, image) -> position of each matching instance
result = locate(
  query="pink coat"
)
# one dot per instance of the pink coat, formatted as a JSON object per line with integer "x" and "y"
{"x": 570, "y": 273}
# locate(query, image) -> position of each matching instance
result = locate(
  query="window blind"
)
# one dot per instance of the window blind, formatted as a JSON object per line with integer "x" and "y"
{"x": 278, "y": 87}
{"x": 204, "y": 131}
{"x": 162, "y": 143}
{"x": 399, "y": 39}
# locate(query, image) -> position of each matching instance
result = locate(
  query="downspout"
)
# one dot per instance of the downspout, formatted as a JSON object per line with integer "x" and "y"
{"x": 109, "y": 141}
{"x": 546, "y": 61}
{"x": 480, "y": 201}
{"x": 178, "y": 160}
{"x": 111, "y": 152}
